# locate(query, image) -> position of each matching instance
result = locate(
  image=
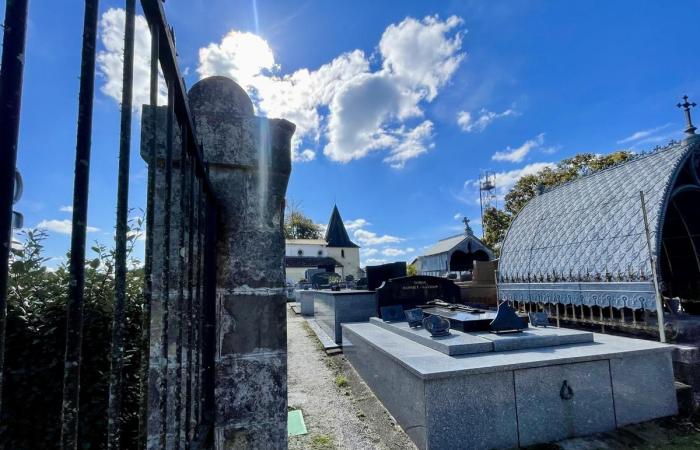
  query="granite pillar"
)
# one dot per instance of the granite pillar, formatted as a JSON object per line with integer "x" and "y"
{"x": 249, "y": 161}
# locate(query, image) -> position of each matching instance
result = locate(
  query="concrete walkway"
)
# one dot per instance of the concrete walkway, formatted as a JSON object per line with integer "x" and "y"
{"x": 339, "y": 409}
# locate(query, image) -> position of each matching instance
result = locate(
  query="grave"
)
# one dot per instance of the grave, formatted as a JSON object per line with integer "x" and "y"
{"x": 332, "y": 308}
{"x": 414, "y": 291}
{"x": 482, "y": 390}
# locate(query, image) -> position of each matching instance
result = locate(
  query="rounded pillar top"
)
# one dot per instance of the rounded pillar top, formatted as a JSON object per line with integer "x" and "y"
{"x": 221, "y": 95}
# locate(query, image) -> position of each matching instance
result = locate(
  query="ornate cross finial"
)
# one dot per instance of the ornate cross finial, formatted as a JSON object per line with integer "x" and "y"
{"x": 467, "y": 228}
{"x": 686, "y": 105}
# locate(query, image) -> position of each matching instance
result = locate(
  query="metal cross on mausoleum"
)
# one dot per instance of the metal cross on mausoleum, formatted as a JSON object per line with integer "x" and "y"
{"x": 686, "y": 105}
{"x": 467, "y": 228}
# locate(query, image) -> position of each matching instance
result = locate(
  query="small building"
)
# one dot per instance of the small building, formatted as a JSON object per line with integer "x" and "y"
{"x": 334, "y": 253}
{"x": 586, "y": 242}
{"x": 454, "y": 254}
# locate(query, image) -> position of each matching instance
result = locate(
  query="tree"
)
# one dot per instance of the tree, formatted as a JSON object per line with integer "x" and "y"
{"x": 411, "y": 270}
{"x": 496, "y": 222}
{"x": 299, "y": 226}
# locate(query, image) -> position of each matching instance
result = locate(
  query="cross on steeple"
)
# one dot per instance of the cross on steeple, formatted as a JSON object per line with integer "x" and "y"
{"x": 686, "y": 105}
{"x": 467, "y": 228}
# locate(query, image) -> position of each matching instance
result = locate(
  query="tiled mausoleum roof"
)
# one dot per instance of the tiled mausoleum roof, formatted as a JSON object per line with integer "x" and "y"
{"x": 593, "y": 226}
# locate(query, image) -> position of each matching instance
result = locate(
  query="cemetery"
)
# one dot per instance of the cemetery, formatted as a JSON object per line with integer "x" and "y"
{"x": 571, "y": 322}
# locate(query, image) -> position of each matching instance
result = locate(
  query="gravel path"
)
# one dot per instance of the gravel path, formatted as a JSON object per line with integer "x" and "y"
{"x": 334, "y": 404}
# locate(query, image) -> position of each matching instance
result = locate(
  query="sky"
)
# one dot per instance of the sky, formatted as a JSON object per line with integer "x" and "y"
{"x": 399, "y": 106}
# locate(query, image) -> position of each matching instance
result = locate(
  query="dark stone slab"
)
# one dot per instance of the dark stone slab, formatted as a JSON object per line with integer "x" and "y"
{"x": 393, "y": 313}
{"x": 464, "y": 320}
{"x": 410, "y": 292}
{"x": 414, "y": 317}
{"x": 376, "y": 275}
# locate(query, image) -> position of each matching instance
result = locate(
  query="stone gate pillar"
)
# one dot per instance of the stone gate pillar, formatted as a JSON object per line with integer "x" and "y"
{"x": 250, "y": 163}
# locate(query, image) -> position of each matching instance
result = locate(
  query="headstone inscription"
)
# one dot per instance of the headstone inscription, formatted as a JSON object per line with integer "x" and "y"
{"x": 410, "y": 292}
{"x": 393, "y": 313}
{"x": 437, "y": 326}
{"x": 539, "y": 319}
{"x": 414, "y": 317}
{"x": 507, "y": 320}
{"x": 376, "y": 275}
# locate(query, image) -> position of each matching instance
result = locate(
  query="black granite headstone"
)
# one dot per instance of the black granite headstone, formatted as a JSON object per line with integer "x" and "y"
{"x": 411, "y": 292}
{"x": 376, "y": 275}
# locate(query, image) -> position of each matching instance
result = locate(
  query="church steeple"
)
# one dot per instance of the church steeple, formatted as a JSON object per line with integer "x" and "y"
{"x": 336, "y": 234}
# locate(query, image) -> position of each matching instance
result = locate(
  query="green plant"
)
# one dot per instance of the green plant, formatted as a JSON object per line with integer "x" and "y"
{"x": 35, "y": 345}
{"x": 341, "y": 380}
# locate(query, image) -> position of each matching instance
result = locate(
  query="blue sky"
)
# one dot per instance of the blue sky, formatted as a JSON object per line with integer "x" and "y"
{"x": 399, "y": 105}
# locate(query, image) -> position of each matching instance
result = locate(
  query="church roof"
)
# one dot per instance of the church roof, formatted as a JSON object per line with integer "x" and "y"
{"x": 593, "y": 225}
{"x": 336, "y": 234}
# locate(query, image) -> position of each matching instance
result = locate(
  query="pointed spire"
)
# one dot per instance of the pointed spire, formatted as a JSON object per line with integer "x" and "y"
{"x": 336, "y": 234}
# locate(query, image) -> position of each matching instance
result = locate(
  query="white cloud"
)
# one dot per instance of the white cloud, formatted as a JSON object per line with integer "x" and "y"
{"x": 356, "y": 110}
{"x": 422, "y": 53}
{"x": 457, "y": 216}
{"x": 61, "y": 226}
{"x": 468, "y": 124}
{"x": 393, "y": 252}
{"x": 504, "y": 182}
{"x": 366, "y": 252}
{"x": 643, "y": 134}
{"x": 519, "y": 153}
{"x": 66, "y": 209}
{"x": 355, "y": 224}
{"x": 375, "y": 261}
{"x": 110, "y": 60}
{"x": 368, "y": 238}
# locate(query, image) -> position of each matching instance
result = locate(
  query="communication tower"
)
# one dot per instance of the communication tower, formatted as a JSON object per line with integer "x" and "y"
{"x": 487, "y": 194}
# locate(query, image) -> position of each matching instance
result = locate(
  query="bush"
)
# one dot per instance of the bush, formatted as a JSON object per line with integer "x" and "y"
{"x": 35, "y": 347}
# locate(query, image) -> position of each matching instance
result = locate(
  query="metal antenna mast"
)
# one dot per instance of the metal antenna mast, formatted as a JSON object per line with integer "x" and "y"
{"x": 487, "y": 194}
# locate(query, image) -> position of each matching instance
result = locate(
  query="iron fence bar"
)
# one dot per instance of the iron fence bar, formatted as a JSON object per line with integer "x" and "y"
{"x": 190, "y": 305}
{"x": 165, "y": 276}
{"x": 181, "y": 287}
{"x": 198, "y": 301}
{"x": 209, "y": 310}
{"x": 148, "y": 257}
{"x": 74, "y": 323}
{"x": 11, "y": 77}
{"x": 154, "y": 13}
{"x": 117, "y": 353}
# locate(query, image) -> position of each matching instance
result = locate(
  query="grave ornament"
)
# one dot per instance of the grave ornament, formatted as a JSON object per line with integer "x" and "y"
{"x": 393, "y": 313}
{"x": 539, "y": 319}
{"x": 414, "y": 317}
{"x": 437, "y": 326}
{"x": 507, "y": 320}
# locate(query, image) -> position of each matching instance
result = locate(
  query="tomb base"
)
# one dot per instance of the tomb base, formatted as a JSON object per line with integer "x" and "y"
{"x": 494, "y": 393}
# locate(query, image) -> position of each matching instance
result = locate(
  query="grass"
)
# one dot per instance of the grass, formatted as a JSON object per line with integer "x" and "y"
{"x": 322, "y": 442}
{"x": 341, "y": 380}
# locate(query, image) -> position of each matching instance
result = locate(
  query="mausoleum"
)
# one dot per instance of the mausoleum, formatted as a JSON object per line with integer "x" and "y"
{"x": 454, "y": 254}
{"x": 586, "y": 243}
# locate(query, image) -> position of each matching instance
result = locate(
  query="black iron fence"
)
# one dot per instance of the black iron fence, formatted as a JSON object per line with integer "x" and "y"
{"x": 191, "y": 308}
